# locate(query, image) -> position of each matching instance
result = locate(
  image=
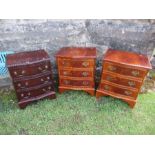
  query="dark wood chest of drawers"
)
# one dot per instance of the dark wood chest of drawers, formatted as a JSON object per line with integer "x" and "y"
{"x": 123, "y": 74}
{"x": 76, "y": 67}
{"x": 31, "y": 74}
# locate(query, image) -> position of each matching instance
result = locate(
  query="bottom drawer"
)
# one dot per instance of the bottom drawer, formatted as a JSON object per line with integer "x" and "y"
{"x": 23, "y": 95}
{"x": 118, "y": 90}
{"x": 83, "y": 83}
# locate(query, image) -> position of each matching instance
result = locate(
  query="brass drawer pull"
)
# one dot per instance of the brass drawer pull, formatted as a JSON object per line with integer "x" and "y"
{"x": 46, "y": 66}
{"x": 26, "y": 83}
{"x": 66, "y": 82}
{"x": 19, "y": 84}
{"x": 22, "y": 95}
{"x": 106, "y": 87}
{"x": 85, "y": 74}
{"x": 49, "y": 88}
{"x": 41, "y": 69}
{"x": 65, "y": 63}
{"x": 85, "y": 64}
{"x": 23, "y": 72}
{"x": 85, "y": 83}
{"x": 131, "y": 83}
{"x": 65, "y": 73}
{"x": 29, "y": 94}
{"x": 135, "y": 73}
{"x": 44, "y": 90}
{"x": 48, "y": 78}
{"x": 127, "y": 92}
{"x": 15, "y": 73}
{"x": 109, "y": 78}
{"x": 111, "y": 68}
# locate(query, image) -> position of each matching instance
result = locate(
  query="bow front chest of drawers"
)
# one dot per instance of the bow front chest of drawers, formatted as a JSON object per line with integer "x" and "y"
{"x": 76, "y": 67}
{"x": 31, "y": 74}
{"x": 123, "y": 74}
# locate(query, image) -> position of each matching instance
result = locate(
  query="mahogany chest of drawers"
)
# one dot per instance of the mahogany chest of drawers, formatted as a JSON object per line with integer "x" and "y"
{"x": 123, "y": 74}
{"x": 31, "y": 74}
{"x": 76, "y": 67}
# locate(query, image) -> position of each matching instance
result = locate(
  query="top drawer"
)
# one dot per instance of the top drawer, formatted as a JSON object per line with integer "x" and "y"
{"x": 85, "y": 63}
{"x": 112, "y": 67}
{"x": 28, "y": 70}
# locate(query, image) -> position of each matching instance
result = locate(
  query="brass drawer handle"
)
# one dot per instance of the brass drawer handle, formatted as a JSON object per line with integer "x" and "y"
{"x": 65, "y": 73}
{"x": 48, "y": 78}
{"x": 135, "y": 73}
{"x": 23, "y": 72}
{"x": 29, "y": 94}
{"x": 85, "y": 83}
{"x": 26, "y": 83}
{"x": 22, "y": 95}
{"x": 15, "y": 73}
{"x": 41, "y": 69}
{"x": 66, "y": 82}
{"x": 65, "y": 63}
{"x": 49, "y": 88}
{"x": 46, "y": 66}
{"x": 85, "y": 74}
{"x": 85, "y": 64}
{"x": 127, "y": 92}
{"x": 19, "y": 85}
{"x": 44, "y": 90}
{"x": 106, "y": 87}
{"x": 131, "y": 83}
{"x": 109, "y": 78}
{"x": 111, "y": 68}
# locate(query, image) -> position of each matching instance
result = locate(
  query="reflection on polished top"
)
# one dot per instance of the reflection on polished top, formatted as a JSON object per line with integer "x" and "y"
{"x": 77, "y": 52}
{"x": 27, "y": 57}
{"x": 127, "y": 58}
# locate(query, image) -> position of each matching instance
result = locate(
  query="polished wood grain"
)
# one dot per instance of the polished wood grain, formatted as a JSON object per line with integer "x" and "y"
{"x": 123, "y": 74}
{"x": 125, "y": 70}
{"x": 31, "y": 74}
{"x": 121, "y": 79}
{"x": 76, "y": 67}
{"x": 127, "y": 58}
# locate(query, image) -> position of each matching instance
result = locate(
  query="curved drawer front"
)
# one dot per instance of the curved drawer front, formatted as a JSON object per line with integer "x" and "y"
{"x": 88, "y": 63}
{"x": 73, "y": 73}
{"x": 28, "y": 70}
{"x": 117, "y": 90}
{"x": 83, "y": 83}
{"x": 33, "y": 82}
{"x": 121, "y": 81}
{"x": 124, "y": 70}
{"x": 34, "y": 93}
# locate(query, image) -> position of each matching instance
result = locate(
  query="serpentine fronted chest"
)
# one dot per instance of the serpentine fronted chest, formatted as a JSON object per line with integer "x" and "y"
{"x": 76, "y": 67}
{"x": 123, "y": 74}
{"x": 31, "y": 74}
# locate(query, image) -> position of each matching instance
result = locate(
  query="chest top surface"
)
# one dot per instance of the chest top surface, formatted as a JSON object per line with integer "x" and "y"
{"x": 127, "y": 58}
{"x": 77, "y": 52}
{"x": 27, "y": 57}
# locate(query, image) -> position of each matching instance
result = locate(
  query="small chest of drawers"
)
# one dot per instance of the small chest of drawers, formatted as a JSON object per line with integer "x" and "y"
{"x": 31, "y": 74}
{"x": 123, "y": 74}
{"x": 76, "y": 68}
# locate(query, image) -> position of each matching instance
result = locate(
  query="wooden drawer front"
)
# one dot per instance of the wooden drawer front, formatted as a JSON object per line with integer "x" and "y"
{"x": 34, "y": 93}
{"x": 29, "y": 70}
{"x": 88, "y": 63}
{"x": 83, "y": 63}
{"x": 121, "y": 91}
{"x": 64, "y": 62}
{"x": 33, "y": 82}
{"x": 124, "y": 70}
{"x": 121, "y": 81}
{"x": 72, "y": 73}
{"x": 83, "y": 83}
